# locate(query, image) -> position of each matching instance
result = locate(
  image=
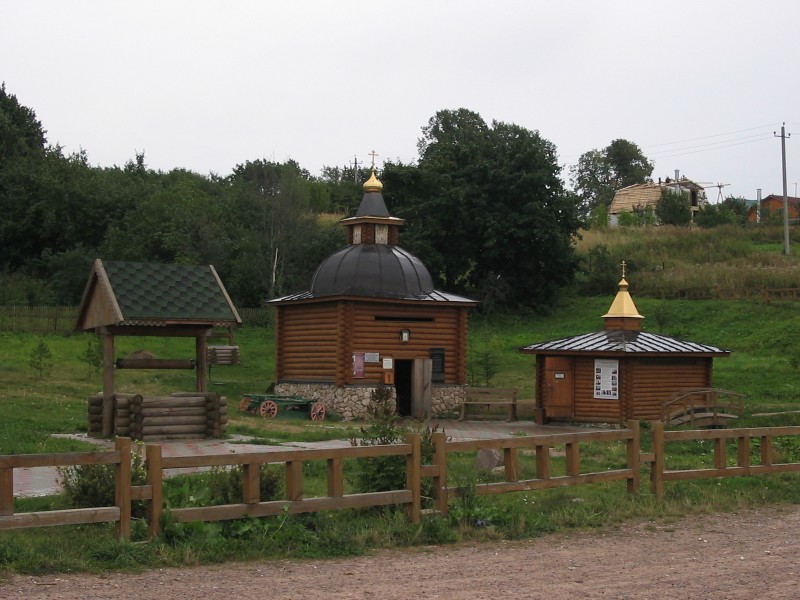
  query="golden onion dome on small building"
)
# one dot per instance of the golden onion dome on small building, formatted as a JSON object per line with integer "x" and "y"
{"x": 373, "y": 184}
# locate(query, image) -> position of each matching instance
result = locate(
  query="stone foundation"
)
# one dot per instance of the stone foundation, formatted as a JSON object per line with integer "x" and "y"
{"x": 351, "y": 401}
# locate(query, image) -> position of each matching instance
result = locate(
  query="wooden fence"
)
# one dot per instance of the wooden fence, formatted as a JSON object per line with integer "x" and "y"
{"x": 539, "y": 447}
{"x": 719, "y": 437}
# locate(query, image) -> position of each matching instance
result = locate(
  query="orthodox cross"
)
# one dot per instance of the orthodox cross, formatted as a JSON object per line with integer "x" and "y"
{"x": 373, "y": 154}
{"x": 623, "y": 269}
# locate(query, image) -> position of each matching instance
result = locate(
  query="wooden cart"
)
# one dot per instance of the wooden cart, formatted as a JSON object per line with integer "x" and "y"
{"x": 268, "y": 405}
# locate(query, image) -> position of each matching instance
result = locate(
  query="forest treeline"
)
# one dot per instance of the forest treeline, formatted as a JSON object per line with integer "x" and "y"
{"x": 485, "y": 205}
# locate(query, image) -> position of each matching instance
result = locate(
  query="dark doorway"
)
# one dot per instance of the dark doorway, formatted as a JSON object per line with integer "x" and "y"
{"x": 402, "y": 385}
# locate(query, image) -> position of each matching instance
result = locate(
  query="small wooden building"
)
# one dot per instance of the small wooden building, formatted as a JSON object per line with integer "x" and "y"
{"x": 619, "y": 373}
{"x": 142, "y": 299}
{"x": 372, "y": 317}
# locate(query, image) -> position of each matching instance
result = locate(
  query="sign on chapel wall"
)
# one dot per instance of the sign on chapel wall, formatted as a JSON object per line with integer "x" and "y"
{"x": 606, "y": 379}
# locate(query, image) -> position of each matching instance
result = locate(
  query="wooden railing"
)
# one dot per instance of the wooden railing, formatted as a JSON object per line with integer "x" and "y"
{"x": 766, "y": 435}
{"x": 542, "y": 446}
{"x": 293, "y": 460}
{"x": 707, "y": 404}
{"x": 295, "y": 502}
{"x": 120, "y": 513}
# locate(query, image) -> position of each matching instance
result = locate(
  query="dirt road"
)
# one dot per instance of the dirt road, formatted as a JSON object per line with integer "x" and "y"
{"x": 746, "y": 555}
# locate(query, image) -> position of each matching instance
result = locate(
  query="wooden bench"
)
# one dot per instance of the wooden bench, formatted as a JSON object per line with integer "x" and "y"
{"x": 490, "y": 397}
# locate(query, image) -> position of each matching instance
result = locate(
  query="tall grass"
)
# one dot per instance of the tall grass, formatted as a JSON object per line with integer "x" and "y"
{"x": 663, "y": 260}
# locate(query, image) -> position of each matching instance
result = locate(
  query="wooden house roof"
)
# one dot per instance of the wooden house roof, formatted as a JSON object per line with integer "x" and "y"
{"x": 643, "y": 195}
{"x": 130, "y": 293}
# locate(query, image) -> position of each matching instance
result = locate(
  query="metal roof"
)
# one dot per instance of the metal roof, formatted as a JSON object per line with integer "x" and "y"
{"x": 433, "y": 296}
{"x": 372, "y": 270}
{"x": 622, "y": 341}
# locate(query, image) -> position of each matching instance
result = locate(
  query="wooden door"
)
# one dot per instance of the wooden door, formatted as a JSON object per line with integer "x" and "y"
{"x": 559, "y": 387}
{"x": 421, "y": 390}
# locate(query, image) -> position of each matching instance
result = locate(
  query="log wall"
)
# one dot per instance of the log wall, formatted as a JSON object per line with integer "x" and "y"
{"x": 656, "y": 381}
{"x": 315, "y": 341}
{"x": 587, "y": 407}
{"x": 181, "y": 415}
{"x": 307, "y": 342}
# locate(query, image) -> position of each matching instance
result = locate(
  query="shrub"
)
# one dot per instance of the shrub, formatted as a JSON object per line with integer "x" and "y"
{"x": 384, "y": 473}
{"x": 87, "y": 486}
{"x": 92, "y": 355}
{"x": 40, "y": 359}
{"x": 674, "y": 208}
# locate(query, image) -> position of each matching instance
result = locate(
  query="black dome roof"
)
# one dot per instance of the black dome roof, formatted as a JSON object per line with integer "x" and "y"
{"x": 376, "y": 270}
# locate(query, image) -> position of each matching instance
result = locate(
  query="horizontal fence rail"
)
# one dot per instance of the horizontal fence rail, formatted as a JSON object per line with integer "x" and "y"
{"x": 541, "y": 445}
{"x": 514, "y": 449}
{"x": 720, "y": 437}
{"x": 120, "y": 513}
{"x": 295, "y": 501}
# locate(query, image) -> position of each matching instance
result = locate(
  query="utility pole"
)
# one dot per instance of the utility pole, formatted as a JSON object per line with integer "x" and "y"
{"x": 783, "y": 137}
{"x": 355, "y": 168}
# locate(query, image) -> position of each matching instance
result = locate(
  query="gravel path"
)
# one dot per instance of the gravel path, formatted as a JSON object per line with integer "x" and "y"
{"x": 729, "y": 556}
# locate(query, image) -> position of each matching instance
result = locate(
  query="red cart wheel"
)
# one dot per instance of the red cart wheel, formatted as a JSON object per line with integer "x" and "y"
{"x": 244, "y": 404}
{"x": 268, "y": 409}
{"x": 318, "y": 411}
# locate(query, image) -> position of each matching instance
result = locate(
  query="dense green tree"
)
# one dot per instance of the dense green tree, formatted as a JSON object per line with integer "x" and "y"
{"x": 731, "y": 211}
{"x": 487, "y": 209}
{"x": 600, "y": 173}
{"x": 674, "y": 208}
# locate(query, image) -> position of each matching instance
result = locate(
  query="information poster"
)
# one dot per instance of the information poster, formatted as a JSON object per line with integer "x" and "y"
{"x": 606, "y": 379}
{"x": 358, "y": 365}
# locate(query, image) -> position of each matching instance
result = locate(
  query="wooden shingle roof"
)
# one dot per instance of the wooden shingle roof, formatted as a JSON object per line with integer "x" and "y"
{"x": 131, "y": 293}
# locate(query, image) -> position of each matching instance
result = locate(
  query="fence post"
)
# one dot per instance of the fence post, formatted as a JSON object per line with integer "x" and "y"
{"x": 743, "y": 451}
{"x": 335, "y": 478}
{"x": 6, "y": 492}
{"x": 251, "y": 483}
{"x": 720, "y": 453}
{"x": 294, "y": 480}
{"x": 573, "y": 452}
{"x": 766, "y": 450}
{"x": 413, "y": 478}
{"x": 154, "y": 479}
{"x": 439, "y": 441}
{"x": 657, "y": 467}
{"x": 634, "y": 457}
{"x": 122, "y": 487}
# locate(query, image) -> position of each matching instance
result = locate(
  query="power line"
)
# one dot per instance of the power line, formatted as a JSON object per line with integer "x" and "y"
{"x": 716, "y": 146}
{"x": 705, "y": 137}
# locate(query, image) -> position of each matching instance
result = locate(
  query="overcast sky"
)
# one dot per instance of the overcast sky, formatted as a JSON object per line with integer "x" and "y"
{"x": 700, "y": 86}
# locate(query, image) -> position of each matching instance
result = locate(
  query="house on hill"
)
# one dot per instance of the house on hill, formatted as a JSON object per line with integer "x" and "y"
{"x": 643, "y": 196}
{"x": 773, "y": 205}
{"x": 372, "y": 317}
{"x": 618, "y": 373}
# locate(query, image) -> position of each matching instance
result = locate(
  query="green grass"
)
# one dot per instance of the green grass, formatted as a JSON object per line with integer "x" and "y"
{"x": 764, "y": 365}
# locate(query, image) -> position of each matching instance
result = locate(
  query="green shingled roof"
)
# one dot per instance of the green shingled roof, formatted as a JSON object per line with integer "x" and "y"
{"x": 147, "y": 291}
